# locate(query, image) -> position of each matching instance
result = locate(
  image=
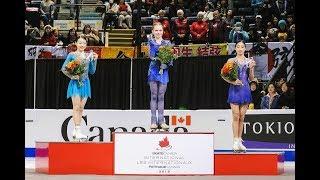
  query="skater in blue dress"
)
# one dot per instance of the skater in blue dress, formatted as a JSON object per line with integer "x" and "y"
{"x": 239, "y": 95}
{"x": 79, "y": 86}
{"x": 157, "y": 80}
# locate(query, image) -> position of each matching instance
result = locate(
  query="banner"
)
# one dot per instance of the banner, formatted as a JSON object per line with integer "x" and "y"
{"x": 117, "y": 52}
{"x": 201, "y": 50}
{"x": 195, "y": 50}
{"x": 164, "y": 153}
{"x": 35, "y": 52}
{"x": 268, "y": 57}
{"x": 57, "y": 125}
{"x": 64, "y": 25}
{"x": 97, "y": 24}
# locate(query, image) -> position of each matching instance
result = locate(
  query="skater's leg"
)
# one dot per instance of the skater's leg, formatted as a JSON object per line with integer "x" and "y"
{"x": 153, "y": 101}
{"x": 161, "y": 93}
{"x": 76, "y": 110}
{"x": 243, "y": 110}
{"x": 235, "y": 125}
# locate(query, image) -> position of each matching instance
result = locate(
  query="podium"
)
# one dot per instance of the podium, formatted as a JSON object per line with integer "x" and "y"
{"x": 153, "y": 154}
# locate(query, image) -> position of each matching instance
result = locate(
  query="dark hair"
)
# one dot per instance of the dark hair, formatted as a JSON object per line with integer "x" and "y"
{"x": 84, "y": 28}
{"x": 241, "y": 40}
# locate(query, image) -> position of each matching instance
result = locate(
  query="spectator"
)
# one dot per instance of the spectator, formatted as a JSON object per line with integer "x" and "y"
{"x": 199, "y": 30}
{"x": 291, "y": 33}
{"x": 222, "y": 7}
{"x": 217, "y": 29}
{"x": 125, "y": 14}
{"x": 181, "y": 29}
{"x": 59, "y": 37}
{"x": 48, "y": 37}
{"x": 111, "y": 15}
{"x": 245, "y": 25}
{"x": 290, "y": 20}
{"x": 172, "y": 9}
{"x": 272, "y": 35}
{"x": 155, "y": 8}
{"x": 165, "y": 24}
{"x": 237, "y": 34}
{"x": 286, "y": 99}
{"x": 257, "y": 5}
{"x": 33, "y": 36}
{"x": 89, "y": 36}
{"x": 280, "y": 8}
{"x": 256, "y": 95}
{"x": 98, "y": 41}
{"x": 207, "y": 14}
{"x": 229, "y": 22}
{"x": 282, "y": 31}
{"x": 72, "y": 37}
{"x": 275, "y": 22}
{"x": 266, "y": 11}
{"x": 271, "y": 100}
{"x": 47, "y": 10}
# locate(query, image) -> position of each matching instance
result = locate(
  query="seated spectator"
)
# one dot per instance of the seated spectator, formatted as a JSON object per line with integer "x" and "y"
{"x": 271, "y": 100}
{"x": 181, "y": 29}
{"x": 257, "y": 5}
{"x": 48, "y": 37}
{"x": 266, "y": 11}
{"x": 291, "y": 33}
{"x": 275, "y": 22}
{"x": 111, "y": 14}
{"x": 286, "y": 99}
{"x": 59, "y": 37}
{"x": 199, "y": 30}
{"x": 217, "y": 29}
{"x": 272, "y": 35}
{"x": 125, "y": 15}
{"x": 165, "y": 24}
{"x": 47, "y": 10}
{"x": 155, "y": 8}
{"x": 282, "y": 31}
{"x": 207, "y": 14}
{"x": 89, "y": 36}
{"x": 222, "y": 7}
{"x": 256, "y": 95}
{"x": 237, "y": 33}
{"x": 72, "y": 37}
{"x": 280, "y": 8}
{"x": 290, "y": 20}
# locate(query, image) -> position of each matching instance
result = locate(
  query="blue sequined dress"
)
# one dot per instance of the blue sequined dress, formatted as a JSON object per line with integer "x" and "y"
{"x": 153, "y": 72}
{"x": 240, "y": 94}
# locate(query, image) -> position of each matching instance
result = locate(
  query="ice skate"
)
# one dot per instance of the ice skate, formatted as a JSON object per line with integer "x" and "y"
{"x": 242, "y": 148}
{"x": 78, "y": 136}
{"x": 235, "y": 146}
{"x": 154, "y": 127}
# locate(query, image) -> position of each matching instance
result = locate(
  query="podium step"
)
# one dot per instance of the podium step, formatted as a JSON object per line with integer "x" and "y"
{"x": 98, "y": 158}
{"x": 74, "y": 158}
{"x": 250, "y": 163}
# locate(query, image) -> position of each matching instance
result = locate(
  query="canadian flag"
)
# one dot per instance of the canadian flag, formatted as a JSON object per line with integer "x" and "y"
{"x": 181, "y": 120}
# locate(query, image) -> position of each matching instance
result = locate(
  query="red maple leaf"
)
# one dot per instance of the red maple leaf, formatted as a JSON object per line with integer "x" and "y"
{"x": 180, "y": 120}
{"x": 164, "y": 142}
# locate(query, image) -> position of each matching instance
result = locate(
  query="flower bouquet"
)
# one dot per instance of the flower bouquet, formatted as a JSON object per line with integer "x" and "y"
{"x": 75, "y": 68}
{"x": 230, "y": 71}
{"x": 165, "y": 56}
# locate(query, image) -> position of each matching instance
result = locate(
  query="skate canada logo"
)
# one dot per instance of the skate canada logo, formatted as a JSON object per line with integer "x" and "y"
{"x": 164, "y": 144}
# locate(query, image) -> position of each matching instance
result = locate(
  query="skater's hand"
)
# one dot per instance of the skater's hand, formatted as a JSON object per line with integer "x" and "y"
{"x": 238, "y": 82}
{"x": 76, "y": 77}
{"x": 252, "y": 63}
{"x": 163, "y": 66}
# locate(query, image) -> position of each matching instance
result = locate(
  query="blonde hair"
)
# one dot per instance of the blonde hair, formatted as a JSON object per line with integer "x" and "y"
{"x": 157, "y": 24}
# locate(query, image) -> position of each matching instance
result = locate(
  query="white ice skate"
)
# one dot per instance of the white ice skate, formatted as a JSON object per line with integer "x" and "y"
{"x": 242, "y": 148}
{"x": 164, "y": 127}
{"x": 77, "y": 135}
{"x": 235, "y": 146}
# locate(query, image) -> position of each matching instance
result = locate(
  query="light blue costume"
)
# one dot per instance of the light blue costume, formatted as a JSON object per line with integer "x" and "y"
{"x": 74, "y": 89}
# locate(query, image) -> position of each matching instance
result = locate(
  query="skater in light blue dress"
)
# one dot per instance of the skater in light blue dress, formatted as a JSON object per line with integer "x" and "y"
{"x": 79, "y": 86}
{"x": 239, "y": 95}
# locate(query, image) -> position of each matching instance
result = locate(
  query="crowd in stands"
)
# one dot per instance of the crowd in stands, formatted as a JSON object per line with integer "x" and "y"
{"x": 184, "y": 21}
{"x": 279, "y": 95}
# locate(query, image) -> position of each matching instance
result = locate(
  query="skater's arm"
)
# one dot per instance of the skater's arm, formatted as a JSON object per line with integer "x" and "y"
{"x": 63, "y": 68}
